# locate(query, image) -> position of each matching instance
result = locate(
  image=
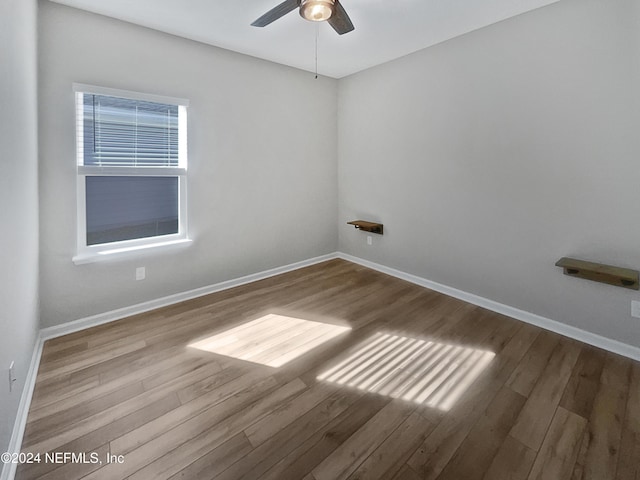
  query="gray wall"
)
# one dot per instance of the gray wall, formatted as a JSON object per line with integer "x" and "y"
{"x": 262, "y": 161}
{"x": 490, "y": 156}
{"x": 19, "y": 200}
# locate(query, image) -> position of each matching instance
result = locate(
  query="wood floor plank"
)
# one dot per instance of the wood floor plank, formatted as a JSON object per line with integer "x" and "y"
{"x": 617, "y": 372}
{"x": 103, "y": 435}
{"x": 506, "y": 329}
{"x": 632, "y": 418}
{"x": 90, "y": 358}
{"x": 320, "y": 445}
{"x": 66, "y": 400}
{"x": 254, "y": 465}
{"x": 188, "y": 367}
{"x": 536, "y": 415}
{"x": 200, "y": 435}
{"x": 50, "y": 425}
{"x": 476, "y": 452}
{"x": 229, "y": 398}
{"x": 441, "y": 445}
{"x": 110, "y": 415}
{"x": 59, "y": 344}
{"x": 287, "y": 413}
{"x": 138, "y": 387}
{"x": 390, "y": 457}
{"x": 628, "y": 467}
{"x": 558, "y": 453}
{"x": 138, "y": 361}
{"x": 518, "y": 346}
{"x": 605, "y": 423}
{"x": 512, "y": 462}
{"x": 578, "y": 470}
{"x": 584, "y": 382}
{"x": 51, "y": 355}
{"x": 45, "y": 404}
{"x": 217, "y": 460}
{"x": 533, "y": 364}
{"x": 406, "y": 473}
{"x": 235, "y": 380}
{"x": 45, "y": 394}
{"x": 348, "y": 457}
{"x": 629, "y": 456}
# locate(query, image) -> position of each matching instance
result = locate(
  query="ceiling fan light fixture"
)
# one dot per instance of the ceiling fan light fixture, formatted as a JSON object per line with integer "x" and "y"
{"x": 317, "y": 10}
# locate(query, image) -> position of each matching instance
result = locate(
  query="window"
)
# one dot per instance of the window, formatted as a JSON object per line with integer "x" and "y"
{"x": 132, "y": 171}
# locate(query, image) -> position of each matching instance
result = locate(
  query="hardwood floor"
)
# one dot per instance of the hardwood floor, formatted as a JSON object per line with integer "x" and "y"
{"x": 544, "y": 407}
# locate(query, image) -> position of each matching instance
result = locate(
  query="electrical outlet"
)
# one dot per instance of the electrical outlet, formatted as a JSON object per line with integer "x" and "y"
{"x": 141, "y": 273}
{"x": 369, "y": 240}
{"x": 12, "y": 376}
{"x": 635, "y": 309}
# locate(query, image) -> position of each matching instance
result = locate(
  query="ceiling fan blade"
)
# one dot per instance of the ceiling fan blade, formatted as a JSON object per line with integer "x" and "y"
{"x": 275, "y": 13}
{"x": 340, "y": 21}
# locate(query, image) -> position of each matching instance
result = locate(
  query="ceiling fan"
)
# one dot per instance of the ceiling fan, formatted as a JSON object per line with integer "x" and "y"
{"x": 331, "y": 11}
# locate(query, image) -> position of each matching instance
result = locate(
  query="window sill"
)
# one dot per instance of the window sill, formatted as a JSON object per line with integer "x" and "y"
{"x": 129, "y": 252}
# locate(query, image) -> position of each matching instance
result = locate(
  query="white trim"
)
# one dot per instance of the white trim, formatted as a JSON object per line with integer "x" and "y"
{"x": 116, "y": 92}
{"x": 15, "y": 443}
{"x": 129, "y": 251}
{"x": 599, "y": 341}
{"x": 93, "y": 170}
{"x": 99, "y": 319}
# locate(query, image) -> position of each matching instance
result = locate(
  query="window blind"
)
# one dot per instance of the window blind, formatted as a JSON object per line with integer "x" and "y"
{"x": 124, "y": 208}
{"x": 122, "y": 132}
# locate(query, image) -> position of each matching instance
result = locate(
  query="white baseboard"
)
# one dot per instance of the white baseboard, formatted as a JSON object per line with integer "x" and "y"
{"x": 9, "y": 469}
{"x": 599, "y": 341}
{"x": 101, "y": 318}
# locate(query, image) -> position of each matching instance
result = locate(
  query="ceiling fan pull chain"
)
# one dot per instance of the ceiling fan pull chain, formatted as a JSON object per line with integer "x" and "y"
{"x": 317, "y": 35}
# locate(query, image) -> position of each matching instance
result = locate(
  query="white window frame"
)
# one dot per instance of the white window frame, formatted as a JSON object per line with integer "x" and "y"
{"x": 92, "y": 253}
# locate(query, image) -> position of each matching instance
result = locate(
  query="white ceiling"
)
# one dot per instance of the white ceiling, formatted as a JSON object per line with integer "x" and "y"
{"x": 384, "y": 29}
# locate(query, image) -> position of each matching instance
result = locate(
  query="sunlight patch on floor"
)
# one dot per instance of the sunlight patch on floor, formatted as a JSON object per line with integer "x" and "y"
{"x": 425, "y": 372}
{"x": 272, "y": 340}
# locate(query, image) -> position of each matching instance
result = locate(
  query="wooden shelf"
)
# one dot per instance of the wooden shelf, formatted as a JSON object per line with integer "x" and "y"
{"x": 598, "y": 272}
{"x": 367, "y": 226}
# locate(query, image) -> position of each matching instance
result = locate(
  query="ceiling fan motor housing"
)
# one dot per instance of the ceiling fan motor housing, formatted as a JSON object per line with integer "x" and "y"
{"x": 331, "y": 11}
{"x": 317, "y": 10}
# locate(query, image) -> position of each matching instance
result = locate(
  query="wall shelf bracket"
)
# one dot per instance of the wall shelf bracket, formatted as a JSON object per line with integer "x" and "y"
{"x": 598, "y": 272}
{"x": 367, "y": 226}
